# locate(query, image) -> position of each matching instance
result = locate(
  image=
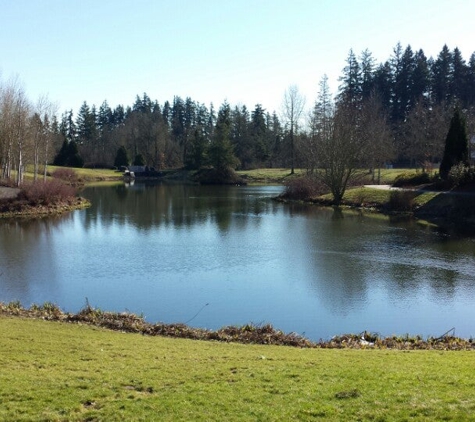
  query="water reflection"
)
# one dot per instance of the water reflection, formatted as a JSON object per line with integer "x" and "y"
{"x": 25, "y": 252}
{"x": 166, "y": 250}
{"x": 150, "y": 205}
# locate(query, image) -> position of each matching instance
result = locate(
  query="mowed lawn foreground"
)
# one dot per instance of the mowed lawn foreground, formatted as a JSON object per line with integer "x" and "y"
{"x": 56, "y": 371}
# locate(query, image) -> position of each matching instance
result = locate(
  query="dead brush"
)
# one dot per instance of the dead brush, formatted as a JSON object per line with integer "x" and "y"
{"x": 246, "y": 334}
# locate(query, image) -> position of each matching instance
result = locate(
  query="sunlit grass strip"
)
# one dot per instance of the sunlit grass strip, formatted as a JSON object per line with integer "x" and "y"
{"x": 379, "y": 198}
{"x": 54, "y": 371}
{"x": 281, "y": 175}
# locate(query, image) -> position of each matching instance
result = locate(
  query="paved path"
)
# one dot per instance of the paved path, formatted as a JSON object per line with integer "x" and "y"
{"x": 442, "y": 192}
{"x": 382, "y": 187}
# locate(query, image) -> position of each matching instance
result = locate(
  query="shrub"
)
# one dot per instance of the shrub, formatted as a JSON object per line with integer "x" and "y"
{"x": 47, "y": 193}
{"x": 400, "y": 200}
{"x": 302, "y": 188}
{"x": 66, "y": 174}
{"x": 460, "y": 175}
{"x": 413, "y": 179}
{"x": 223, "y": 176}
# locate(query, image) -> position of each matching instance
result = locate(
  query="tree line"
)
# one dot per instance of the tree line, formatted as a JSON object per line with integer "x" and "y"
{"x": 397, "y": 111}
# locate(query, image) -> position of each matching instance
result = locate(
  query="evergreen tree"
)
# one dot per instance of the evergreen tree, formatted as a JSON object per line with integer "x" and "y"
{"x": 458, "y": 77}
{"x": 240, "y": 136}
{"x": 68, "y": 155}
{"x": 456, "y": 145}
{"x": 118, "y": 116}
{"x": 61, "y": 157}
{"x": 383, "y": 85}
{"x": 178, "y": 124}
{"x": 221, "y": 154}
{"x": 197, "y": 154}
{"x": 404, "y": 84}
{"x": 139, "y": 160}
{"x": 121, "y": 158}
{"x": 470, "y": 88}
{"x": 258, "y": 133}
{"x": 420, "y": 78}
{"x": 86, "y": 125}
{"x": 350, "y": 90}
{"x": 441, "y": 76}
{"x": 189, "y": 121}
{"x": 74, "y": 158}
{"x": 367, "y": 74}
{"x": 67, "y": 127}
{"x": 274, "y": 138}
{"x": 401, "y": 73}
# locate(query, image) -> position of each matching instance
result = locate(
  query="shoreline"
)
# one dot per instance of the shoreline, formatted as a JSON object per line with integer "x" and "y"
{"x": 246, "y": 334}
{"x": 40, "y": 211}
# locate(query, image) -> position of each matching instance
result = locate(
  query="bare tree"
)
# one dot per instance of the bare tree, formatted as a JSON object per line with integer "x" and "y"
{"x": 375, "y": 135}
{"x": 424, "y": 134}
{"x": 41, "y": 134}
{"x": 341, "y": 151}
{"x": 320, "y": 123}
{"x": 14, "y": 112}
{"x": 293, "y": 106}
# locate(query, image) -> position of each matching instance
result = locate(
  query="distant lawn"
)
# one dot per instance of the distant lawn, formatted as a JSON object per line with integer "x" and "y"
{"x": 54, "y": 371}
{"x": 281, "y": 175}
{"x": 92, "y": 175}
{"x": 84, "y": 174}
{"x": 364, "y": 195}
{"x": 269, "y": 175}
{"x": 256, "y": 176}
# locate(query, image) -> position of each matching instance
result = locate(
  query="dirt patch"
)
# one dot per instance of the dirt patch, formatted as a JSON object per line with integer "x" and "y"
{"x": 8, "y": 193}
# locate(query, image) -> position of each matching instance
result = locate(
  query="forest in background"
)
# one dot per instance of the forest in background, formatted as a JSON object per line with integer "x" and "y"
{"x": 394, "y": 112}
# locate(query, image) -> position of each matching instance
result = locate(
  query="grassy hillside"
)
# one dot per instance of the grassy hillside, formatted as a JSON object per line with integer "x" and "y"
{"x": 56, "y": 371}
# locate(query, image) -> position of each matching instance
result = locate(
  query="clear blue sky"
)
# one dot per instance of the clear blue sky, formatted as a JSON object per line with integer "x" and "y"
{"x": 245, "y": 52}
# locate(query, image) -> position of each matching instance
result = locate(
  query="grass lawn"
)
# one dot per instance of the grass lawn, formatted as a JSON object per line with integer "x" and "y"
{"x": 255, "y": 176}
{"x": 362, "y": 195}
{"x": 280, "y": 175}
{"x": 55, "y": 371}
{"x": 92, "y": 175}
{"x": 271, "y": 176}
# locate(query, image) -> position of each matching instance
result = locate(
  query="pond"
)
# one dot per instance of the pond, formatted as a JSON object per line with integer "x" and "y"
{"x": 211, "y": 256}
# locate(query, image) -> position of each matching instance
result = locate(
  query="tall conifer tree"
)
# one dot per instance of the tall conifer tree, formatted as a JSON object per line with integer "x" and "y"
{"x": 456, "y": 145}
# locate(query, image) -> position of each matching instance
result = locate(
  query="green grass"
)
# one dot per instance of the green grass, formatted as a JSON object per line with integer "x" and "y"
{"x": 92, "y": 175}
{"x": 55, "y": 371}
{"x": 264, "y": 175}
{"x": 363, "y": 195}
{"x": 269, "y": 176}
{"x": 280, "y": 175}
{"x": 85, "y": 175}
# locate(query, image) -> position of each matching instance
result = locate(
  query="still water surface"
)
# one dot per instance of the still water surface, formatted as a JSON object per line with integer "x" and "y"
{"x": 215, "y": 256}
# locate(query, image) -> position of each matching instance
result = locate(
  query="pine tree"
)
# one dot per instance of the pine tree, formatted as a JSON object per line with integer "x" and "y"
{"x": 458, "y": 77}
{"x": 367, "y": 74}
{"x": 121, "y": 158}
{"x": 139, "y": 160}
{"x": 441, "y": 76}
{"x": 456, "y": 145}
{"x": 351, "y": 88}
{"x": 240, "y": 137}
{"x": 221, "y": 152}
{"x": 258, "y": 133}
{"x": 68, "y": 155}
{"x": 74, "y": 159}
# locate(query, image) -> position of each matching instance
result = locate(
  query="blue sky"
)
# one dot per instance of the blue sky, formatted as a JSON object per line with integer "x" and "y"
{"x": 245, "y": 52}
